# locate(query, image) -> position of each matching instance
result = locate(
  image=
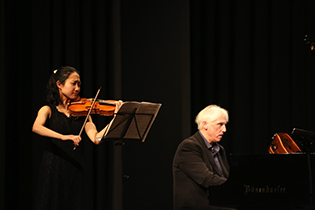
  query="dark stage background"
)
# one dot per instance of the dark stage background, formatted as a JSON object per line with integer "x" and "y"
{"x": 247, "y": 56}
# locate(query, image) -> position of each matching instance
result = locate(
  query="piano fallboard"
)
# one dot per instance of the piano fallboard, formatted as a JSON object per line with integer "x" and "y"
{"x": 267, "y": 180}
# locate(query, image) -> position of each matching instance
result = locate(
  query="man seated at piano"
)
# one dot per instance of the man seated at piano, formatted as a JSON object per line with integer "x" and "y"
{"x": 200, "y": 162}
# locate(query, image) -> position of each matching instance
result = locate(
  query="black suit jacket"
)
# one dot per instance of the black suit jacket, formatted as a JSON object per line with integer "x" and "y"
{"x": 194, "y": 171}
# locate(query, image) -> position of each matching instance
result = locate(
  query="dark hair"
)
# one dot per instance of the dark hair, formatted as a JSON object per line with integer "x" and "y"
{"x": 61, "y": 74}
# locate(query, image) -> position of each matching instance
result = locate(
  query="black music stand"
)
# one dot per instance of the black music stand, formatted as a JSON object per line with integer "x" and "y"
{"x": 304, "y": 139}
{"x": 310, "y": 42}
{"x": 133, "y": 121}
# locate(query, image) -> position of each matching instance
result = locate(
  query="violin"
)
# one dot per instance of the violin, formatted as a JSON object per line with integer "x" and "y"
{"x": 282, "y": 143}
{"x": 82, "y": 106}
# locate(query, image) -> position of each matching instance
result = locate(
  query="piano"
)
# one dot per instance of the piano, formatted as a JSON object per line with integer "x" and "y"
{"x": 269, "y": 181}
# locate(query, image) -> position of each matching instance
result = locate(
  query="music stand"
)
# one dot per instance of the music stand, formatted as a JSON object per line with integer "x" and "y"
{"x": 304, "y": 139}
{"x": 132, "y": 121}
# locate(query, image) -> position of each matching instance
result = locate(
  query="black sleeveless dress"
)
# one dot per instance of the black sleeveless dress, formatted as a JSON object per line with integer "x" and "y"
{"x": 60, "y": 182}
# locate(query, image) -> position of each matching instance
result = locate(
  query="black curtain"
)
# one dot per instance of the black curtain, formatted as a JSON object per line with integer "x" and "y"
{"x": 36, "y": 38}
{"x": 250, "y": 57}
{"x": 155, "y": 68}
{"x": 247, "y": 56}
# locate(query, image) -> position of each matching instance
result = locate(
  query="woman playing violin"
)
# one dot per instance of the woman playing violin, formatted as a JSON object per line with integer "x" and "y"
{"x": 60, "y": 179}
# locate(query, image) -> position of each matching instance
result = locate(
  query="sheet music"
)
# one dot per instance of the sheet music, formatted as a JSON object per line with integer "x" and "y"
{"x": 133, "y": 121}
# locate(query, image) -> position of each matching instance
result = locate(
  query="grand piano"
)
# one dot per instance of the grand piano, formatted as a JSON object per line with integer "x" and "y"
{"x": 283, "y": 181}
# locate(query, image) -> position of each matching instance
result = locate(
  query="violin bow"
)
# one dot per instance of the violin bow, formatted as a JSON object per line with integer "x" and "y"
{"x": 87, "y": 116}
